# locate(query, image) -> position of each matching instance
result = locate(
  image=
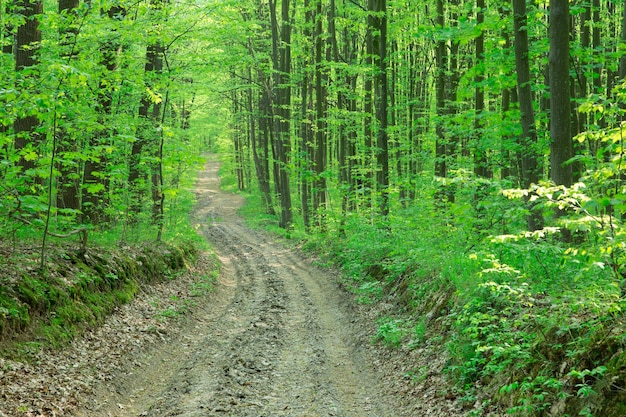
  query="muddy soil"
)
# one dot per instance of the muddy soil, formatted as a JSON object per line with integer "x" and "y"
{"x": 278, "y": 337}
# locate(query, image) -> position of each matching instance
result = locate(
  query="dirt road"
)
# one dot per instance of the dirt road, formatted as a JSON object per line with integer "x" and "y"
{"x": 277, "y": 338}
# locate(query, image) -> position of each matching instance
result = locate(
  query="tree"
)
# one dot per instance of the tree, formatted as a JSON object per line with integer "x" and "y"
{"x": 320, "y": 149}
{"x": 481, "y": 168}
{"x": 95, "y": 181}
{"x": 27, "y": 40}
{"x": 68, "y": 194}
{"x": 528, "y": 139}
{"x": 561, "y": 148}
{"x": 149, "y": 113}
{"x": 379, "y": 11}
{"x": 281, "y": 54}
{"x": 441, "y": 143}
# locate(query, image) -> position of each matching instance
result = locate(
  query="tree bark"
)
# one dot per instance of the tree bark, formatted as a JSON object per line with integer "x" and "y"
{"x": 319, "y": 195}
{"x": 528, "y": 141}
{"x": 381, "y": 97}
{"x": 68, "y": 193}
{"x": 561, "y": 147}
{"x": 481, "y": 168}
{"x": 149, "y": 138}
{"x": 27, "y": 42}
{"x": 442, "y": 195}
{"x": 281, "y": 52}
{"x": 622, "y": 60}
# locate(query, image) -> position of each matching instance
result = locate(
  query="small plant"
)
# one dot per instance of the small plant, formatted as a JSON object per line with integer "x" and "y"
{"x": 205, "y": 285}
{"x": 369, "y": 292}
{"x": 418, "y": 374}
{"x": 170, "y": 312}
{"x": 418, "y": 335}
{"x": 391, "y": 331}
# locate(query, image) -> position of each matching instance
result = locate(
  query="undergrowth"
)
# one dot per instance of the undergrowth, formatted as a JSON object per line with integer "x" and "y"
{"x": 77, "y": 289}
{"x": 533, "y": 323}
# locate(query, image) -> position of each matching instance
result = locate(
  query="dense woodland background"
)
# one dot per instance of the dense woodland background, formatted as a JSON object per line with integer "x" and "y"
{"x": 464, "y": 159}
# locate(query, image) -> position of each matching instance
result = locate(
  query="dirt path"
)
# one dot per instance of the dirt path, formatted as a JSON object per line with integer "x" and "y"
{"x": 276, "y": 339}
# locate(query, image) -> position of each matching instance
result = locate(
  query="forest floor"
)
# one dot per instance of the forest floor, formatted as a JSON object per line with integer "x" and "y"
{"x": 277, "y": 336}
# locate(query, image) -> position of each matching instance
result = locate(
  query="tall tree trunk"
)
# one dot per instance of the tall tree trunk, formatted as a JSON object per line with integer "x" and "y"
{"x": 68, "y": 195}
{"x": 442, "y": 195}
{"x": 149, "y": 112}
{"x": 6, "y": 42}
{"x": 238, "y": 131}
{"x": 265, "y": 139}
{"x": 319, "y": 196}
{"x": 347, "y": 135}
{"x": 481, "y": 168}
{"x": 262, "y": 173}
{"x": 560, "y": 116}
{"x": 366, "y": 171}
{"x": 509, "y": 162}
{"x": 561, "y": 146}
{"x": 281, "y": 52}
{"x": 6, "y": 35}
{"x": 306, "y": 126}
{"x": 382, "y": 94}
{"x": 528, "y": 141}
{"x": 149, "y": 140}
{"x": 27, "y": 42}
{"x": 622, "y": 60}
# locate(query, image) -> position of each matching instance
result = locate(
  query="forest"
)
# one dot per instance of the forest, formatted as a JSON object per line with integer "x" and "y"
{"x": 462, "y": 160}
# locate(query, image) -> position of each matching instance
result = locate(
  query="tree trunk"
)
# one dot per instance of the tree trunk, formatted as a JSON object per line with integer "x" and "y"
{"x": 262, "y": 173}
{"x": 561, "y": 146}
{"x": 6, "y": 37}
{"x": 149, "y": 112}
{"x": 281, "y": 52}
{"x": 306, "y": 127}
{"x": 149, "y": 141}
{"x": 382, "y": 94}
{"x": 68, "y": 193}
{"x": 27, "y": 42}
{"x": 481, "y": 168}
{"x": 622, "y": 60}
{"x": 319, "y": 186}
{"x": 442, "y": 195}
{"x": 528, "y": 141}
{"x": 561, "y": 149}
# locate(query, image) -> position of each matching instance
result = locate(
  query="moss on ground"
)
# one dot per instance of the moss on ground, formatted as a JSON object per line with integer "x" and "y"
{"x": 76, "y": 291}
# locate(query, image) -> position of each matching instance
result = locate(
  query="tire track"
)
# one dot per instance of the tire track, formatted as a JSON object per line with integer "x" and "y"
{"x": 279, "y": 342}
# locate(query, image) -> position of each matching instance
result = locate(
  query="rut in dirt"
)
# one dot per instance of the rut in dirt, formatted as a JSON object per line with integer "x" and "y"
{"x": 283, "y": 344}
{"x": 283, "y": 341}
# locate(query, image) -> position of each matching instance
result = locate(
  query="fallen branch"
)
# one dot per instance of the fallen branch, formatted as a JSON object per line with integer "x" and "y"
{"x": 81, "y": 230}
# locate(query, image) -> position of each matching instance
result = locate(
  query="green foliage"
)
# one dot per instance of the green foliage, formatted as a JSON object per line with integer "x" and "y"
{"x": 205, "y": 284}
{"x": 80, "y": 292}
{"x": 84, "y": 90}
{"x": 391, "y": 331}
{"x": 534, "y": 320}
